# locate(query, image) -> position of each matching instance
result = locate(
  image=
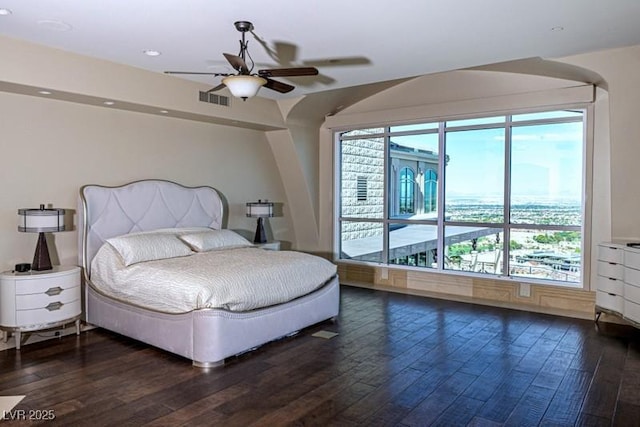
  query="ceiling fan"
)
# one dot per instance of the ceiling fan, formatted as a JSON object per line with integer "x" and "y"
{"x": 245, "y": 84}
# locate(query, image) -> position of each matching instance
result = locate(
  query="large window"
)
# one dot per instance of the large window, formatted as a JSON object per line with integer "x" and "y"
{"x": 496, "y": 195}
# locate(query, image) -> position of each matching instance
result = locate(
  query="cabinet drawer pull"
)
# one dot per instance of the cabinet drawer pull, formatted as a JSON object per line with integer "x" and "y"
{"x": 613, "y": 295}
{"x": 54, "y": 291}
{"x": 54, "y": 306}
{"x": 612, "y": 278}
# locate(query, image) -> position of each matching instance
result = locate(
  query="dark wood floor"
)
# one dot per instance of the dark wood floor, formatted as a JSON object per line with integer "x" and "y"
{"x": 398, "y": 360}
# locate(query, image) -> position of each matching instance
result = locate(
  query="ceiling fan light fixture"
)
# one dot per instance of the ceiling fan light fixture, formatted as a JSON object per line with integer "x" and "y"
{"x": 243, "y": 86}
{"x": 246, "y": 84}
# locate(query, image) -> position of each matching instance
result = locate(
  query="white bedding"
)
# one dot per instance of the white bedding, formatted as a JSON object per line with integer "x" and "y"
{"x": 238, "y": 279}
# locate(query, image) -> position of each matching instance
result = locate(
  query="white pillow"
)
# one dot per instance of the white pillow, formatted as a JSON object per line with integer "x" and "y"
{"x": 139, "y": 247}
{"x": 176, "y": 231}
{"x": 214, "y": 240}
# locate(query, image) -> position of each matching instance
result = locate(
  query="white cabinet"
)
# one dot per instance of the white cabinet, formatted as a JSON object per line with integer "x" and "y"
{"x": 39, "y": 300}
{"x": 610, "y": 285}
{"x": 618, "y": 283}
{"x": 632, "y": 285}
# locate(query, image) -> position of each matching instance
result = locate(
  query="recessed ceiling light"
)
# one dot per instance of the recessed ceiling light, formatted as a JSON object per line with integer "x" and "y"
{"x": 557, "y": 29}
{"x": 44, "y": 92}
{"x": 151, "y": 52}
{"x": 164, "y": 112}
{"x": 5, "y": 12}
{"x": 54, "y": 25}
{"x": 108, "y": 102}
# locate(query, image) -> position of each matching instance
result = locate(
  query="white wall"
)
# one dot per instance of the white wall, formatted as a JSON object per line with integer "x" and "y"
{"x": 619, "y": 69}
{"x": 50, "y": 148}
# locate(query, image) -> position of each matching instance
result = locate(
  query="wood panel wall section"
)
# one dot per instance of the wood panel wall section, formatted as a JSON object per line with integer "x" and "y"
{"x": 556, "y": 300}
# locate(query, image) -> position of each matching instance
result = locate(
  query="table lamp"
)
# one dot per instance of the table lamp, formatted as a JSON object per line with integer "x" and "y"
{"x": 41, "y": 221}
{"x": 260, "y": 209}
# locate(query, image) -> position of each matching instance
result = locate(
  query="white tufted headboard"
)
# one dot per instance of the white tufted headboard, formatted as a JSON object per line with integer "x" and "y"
{"x": 106, "y": 212}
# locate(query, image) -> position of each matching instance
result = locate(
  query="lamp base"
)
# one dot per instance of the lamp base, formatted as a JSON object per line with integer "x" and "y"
{"x": 261, "y": 236}
{"x": 41, "y": 260}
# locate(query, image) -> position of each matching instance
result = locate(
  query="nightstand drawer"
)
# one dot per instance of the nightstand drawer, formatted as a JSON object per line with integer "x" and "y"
{"x": 271, "y": 246}
{"x": 43, "y": 316}
{"x": 610, "y": 254}
{"x": 632, "y": 293}
{"x": 35, "y": 301}
{"x": 610, "y": 285}
{"x": 41, "y": 284}
{"x": 632, "y": 311}
{"x": 632, "y": 276}
{"x": 610, "y": 302}
{"x": 609, "y": 269}
{"x": 632, "y": 258}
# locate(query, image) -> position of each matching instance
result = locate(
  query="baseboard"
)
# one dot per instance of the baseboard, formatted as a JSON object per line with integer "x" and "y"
{"x": 469, "y": 300}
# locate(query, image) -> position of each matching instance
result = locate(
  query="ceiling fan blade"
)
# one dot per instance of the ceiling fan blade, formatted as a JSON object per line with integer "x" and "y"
{"x": 289, "y": 72}
{"x": 278, "y": 86}
{"x": 237, "y": 63}
{"x": 217, "y": 88}
{"x": 194, "y": 72}
{"x": 339, "y": 61}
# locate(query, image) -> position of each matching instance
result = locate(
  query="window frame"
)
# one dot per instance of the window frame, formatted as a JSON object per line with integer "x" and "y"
{"x": 507, "y": 124}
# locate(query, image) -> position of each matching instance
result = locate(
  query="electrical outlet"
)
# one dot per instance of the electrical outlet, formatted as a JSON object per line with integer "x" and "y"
{"x": 525, "y": 290}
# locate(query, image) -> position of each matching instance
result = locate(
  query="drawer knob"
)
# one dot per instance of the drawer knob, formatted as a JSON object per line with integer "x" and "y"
{"x": 54, "y": 306}
{"x": 54, "y": 291}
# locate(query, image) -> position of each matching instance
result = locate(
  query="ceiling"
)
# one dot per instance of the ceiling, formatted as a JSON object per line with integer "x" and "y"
{"x": 351, "y": 42}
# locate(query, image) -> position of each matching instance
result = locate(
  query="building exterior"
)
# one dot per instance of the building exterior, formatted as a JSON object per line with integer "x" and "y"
{"x": 412, "y": 188}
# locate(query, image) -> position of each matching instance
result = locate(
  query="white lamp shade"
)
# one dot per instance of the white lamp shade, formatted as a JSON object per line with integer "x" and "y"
{"x": 260, "y": 209}
{"x": 244, "y": 86}
{"x": 41, "y": 220}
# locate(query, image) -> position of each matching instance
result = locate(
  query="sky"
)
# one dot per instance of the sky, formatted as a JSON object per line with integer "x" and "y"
{"x": 547, "y": 160}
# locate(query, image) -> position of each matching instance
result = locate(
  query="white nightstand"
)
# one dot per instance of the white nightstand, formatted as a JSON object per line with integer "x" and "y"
{"x": 273, "y": 245}
{"x": 39, "y": 300}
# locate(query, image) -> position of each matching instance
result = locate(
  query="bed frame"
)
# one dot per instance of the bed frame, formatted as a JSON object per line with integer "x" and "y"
{"x": 206, "y": 336}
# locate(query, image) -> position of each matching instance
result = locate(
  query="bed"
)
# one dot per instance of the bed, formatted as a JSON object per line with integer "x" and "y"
{"x": 209, "y": 332}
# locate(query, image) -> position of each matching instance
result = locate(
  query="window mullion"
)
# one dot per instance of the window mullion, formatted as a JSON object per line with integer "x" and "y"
{"x": 385, "y": 199}
{"x": 441, "y": 185}
{"x": 507, "y": 198}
